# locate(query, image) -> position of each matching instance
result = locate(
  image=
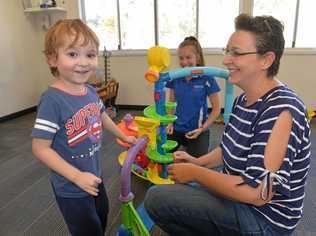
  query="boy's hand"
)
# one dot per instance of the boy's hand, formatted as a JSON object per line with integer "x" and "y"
{"x": 130, "y": 139}
{"x": 182, "y": 157}
{"x": 88, "y": 182}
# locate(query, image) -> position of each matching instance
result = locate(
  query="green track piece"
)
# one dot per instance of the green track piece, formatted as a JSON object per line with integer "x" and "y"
{"x": 155, "y": 156}
{"x": 150, "y": 112}
{"x": 135, "y": 168}
{"x": 131, "y": 220}
{"x": 170, "y": 105}
{"x": 169, "y": 145}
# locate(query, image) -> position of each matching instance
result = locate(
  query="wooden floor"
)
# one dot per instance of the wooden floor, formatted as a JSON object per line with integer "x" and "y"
{"x": 27, "y": 206}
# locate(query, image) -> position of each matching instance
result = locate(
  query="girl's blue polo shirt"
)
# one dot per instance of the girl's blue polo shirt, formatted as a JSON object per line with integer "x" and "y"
{"x": 191, "y": 97}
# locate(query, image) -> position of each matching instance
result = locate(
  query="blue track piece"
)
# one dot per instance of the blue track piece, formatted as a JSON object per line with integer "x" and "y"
{"x": 123, "y": 232}
{"x": 145, "y": 217}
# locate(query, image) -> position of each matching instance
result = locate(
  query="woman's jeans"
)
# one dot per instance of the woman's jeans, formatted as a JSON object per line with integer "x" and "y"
{"x": 190, "y": 209}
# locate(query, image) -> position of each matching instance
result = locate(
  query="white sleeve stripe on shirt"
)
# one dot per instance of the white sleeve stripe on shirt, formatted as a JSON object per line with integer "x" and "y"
{"x": 233, "y": 156}
{"x": 291, "y": 199}
{"x": 275, "y": 91}
{"x": 239, "y": 132}
{"x": 283, "y": 185}
{"x": 261, "y": 156}
{"x": 276, "y": 223}
{"x": 47, "y": 123}
{"x": 306, "y": 147}
{"x": 247, "y": 110}
{"x": 255, "y": 168}
{"x": 306, "y": 140}
{"x": 45, "y": 128}
{"x": 253, "y": 155}
{"x": 298, "y": 124}
{"x": 297, "y": 138}
{"x": 284, "y": 106}
{"x": 282, "y": 214}
{"x": 232, "y": 168}
{"x": 262, "y": 169}
{"x": 283, "y": 172}
{"x": 267, "y": 120}
{"x": 303, "y": 159}
{"x": 258, "y": 144}
{"x": 298, "y": 187}
{"x": 287, "y": 97}
{"x": 252, "y": 178}
{"x": 291, "y": 148}
{"x": 265, "y": 131}
{"x": 300, "y": 170}
{"x": 236, "y": 144}
{"x": 299, "y": 180}
{"x": 241, "y": 120}
{"x": 290, "y": 208}
{"x": 276, "y": 117}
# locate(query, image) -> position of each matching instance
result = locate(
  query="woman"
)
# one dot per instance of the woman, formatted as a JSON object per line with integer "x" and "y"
{"x": 265, "y": 151}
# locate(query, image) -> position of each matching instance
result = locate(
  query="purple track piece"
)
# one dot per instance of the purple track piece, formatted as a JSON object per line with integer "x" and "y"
{"x": 128, "y": 119}
{"x": 126, "y": 194}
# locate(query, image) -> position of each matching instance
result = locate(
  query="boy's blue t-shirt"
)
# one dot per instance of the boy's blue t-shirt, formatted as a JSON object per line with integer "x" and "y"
{"x": 74, "y": 125}
{"x": 191, "y": 97}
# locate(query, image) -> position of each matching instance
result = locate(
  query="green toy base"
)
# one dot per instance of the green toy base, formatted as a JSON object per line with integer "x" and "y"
{"x": 150, "y": 112}
{"x": 155, "y": 156}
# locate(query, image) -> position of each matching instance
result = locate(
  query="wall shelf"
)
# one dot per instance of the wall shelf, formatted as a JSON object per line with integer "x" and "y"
{"x": 44, "y": 10}
{"x": 46, "y": 16}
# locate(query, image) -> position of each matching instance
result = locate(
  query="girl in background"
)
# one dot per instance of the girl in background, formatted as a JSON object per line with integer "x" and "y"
{"x": 191, "y": 129}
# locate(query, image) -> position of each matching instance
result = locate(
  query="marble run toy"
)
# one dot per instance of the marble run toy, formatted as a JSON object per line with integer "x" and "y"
{"x": 149, "y": 157}
{"x": 153, "y": 158}
{"x": 311, "y": 114}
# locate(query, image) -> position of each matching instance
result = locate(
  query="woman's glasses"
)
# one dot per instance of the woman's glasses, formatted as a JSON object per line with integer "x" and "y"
{"x": 233, "y": 53}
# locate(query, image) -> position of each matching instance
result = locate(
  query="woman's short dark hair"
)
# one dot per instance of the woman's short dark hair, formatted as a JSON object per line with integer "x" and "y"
{"x": 269, "y": 36}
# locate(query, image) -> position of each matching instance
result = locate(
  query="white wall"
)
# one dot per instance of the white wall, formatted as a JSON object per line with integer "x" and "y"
{"x": 24, "y": 74}
{"x": 20, "y": 59}
{"x": 297, "y": 71}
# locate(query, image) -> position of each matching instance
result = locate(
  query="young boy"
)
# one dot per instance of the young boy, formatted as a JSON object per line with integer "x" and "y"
{"x": 67, "y": 134}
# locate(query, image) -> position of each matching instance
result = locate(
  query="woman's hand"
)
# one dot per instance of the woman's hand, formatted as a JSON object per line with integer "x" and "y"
{"x": 183, "y": 157}
{"x": 182, "y": 172}
{"x": 194, "y": 133}
{"x": 88, "y": 182}
{"x": 169, "y": 129}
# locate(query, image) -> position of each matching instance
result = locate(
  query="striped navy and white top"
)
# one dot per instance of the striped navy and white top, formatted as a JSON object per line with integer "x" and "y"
{"x": 243, "y": 144}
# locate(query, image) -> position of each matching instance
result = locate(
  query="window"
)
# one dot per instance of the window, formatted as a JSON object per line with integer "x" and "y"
{"x": 176, "y": 20}
{"x": 139, "y": 24}
{"x": 101, "y": 16}
{"x": 213, "y": 34}
{"x": 306, "y": 32}
{"x": 299, "y": 30}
